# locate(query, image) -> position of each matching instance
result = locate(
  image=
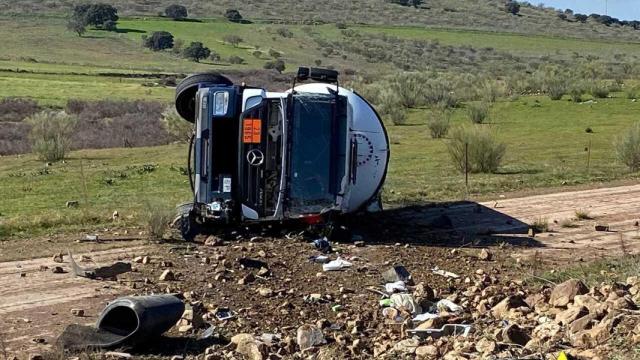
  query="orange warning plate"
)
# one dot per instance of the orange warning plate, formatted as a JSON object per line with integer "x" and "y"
{"x": 251, "y": 131}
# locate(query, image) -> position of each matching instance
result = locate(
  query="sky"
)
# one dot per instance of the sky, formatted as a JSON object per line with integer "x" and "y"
{"x": 621, "y": 9}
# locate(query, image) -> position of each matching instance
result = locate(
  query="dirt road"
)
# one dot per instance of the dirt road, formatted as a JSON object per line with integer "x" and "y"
{"x": 36, "y": 304}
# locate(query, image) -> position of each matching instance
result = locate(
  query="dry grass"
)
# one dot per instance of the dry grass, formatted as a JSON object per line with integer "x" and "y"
{"x": 583, "y": 215}
{"x": 540, "y": 225}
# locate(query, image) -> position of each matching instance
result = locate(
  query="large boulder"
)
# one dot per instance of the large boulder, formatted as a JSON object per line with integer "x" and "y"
{"x": 503, "y": 309}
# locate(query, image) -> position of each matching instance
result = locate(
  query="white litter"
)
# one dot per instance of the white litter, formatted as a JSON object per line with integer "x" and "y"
{"x": 444, "y": 273}
{"x": 448, "y": 305}
{"x": 337, "y": 264}
{"x": 397, "y": 286}
{"x": 405, "y": 302}
{"x": 425, "y": 317}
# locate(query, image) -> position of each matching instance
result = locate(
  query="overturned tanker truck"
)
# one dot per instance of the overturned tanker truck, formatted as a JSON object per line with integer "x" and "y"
{"x": 311, "y": 152}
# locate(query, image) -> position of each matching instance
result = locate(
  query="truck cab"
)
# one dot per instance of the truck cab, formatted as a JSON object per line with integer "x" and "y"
{"x": 272, "y": 156}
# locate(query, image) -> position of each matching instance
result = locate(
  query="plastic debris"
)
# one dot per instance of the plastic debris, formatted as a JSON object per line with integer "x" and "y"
{"x": 398, "y": 286}
{"x": 386, "y": 302}
{"x": 425, "y": 317}
{"x": 321, "y": 259}
{"x": 224, "y": 314}
{"x": 406, "y": 302}
{"x": 337, "y": 264}
{"x": 448, "y": 305}
{"x": 322, "y": 244}
{"x": 446, "y": 330}
{"x": 444, "y": 273}
{"x": 397, "y": 273}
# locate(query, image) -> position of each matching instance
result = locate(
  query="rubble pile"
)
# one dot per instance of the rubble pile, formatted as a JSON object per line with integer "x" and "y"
{"x": 273, "y": 299}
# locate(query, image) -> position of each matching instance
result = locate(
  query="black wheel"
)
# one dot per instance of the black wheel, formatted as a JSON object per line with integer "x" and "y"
{"x": 189, "y": 229}
{"x": 187, "y": 89}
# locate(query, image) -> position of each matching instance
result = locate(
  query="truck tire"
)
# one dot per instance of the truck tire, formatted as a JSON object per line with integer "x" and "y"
{"x": 188, "y": 226}
{"x": 187, "y": 89}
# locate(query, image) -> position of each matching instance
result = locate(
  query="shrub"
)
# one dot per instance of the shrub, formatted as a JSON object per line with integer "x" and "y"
{"x": 583, "y": 215}
{"x": 234, "y": 40}
{"x": 540, "y": 225}
{"x": 599, "y": 91}
{"x": 176, "y": 12}
{"x": 397, "y": 115}
{"x": 391, "y": 107}
{"x": 485, "y": 152}
{"x": 627, "y": 147}
{"x": 277, "y": 65}
{"x": 50, "y": 134}
{"x": 196, "y": 51}
{"x": 512, "y": 7}
{"x": 632, "y": 93}
{"x": 158, "y": 218}
{"x": 159, "y": 40}
{"x": 575, "y": 91}
{"x": 284, "y": 32}
{"x": 478, "y": 112}
{"x": 233, "y": 15}
{"x": 175, "y": 125}
{"x": 17, "y": 109}
{"x": 235, "y": 60}
{"x": 214, "y": 56}
{"x": 110, "y": 25}
{"x": 439, "y": 122}
{"x": 274, "y": 54}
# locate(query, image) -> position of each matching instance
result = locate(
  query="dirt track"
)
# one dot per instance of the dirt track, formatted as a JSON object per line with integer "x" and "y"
{"x": 37, "y": 304}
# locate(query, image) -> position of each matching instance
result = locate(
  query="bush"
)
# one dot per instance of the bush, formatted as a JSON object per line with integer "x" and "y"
{"x": 576, "y": 90}
{"x": 214, "y": 56}
{"x": 512, "y": 7}
{"x": 632, "y": 93}
{"x": 397, "y": 115}
{"x": 284, "y": 32}
{"x": 627, "y": 147}
{"x": 478, "y": 112}
{"x": 50, "y": 134}
{"x": 234, "y": 40}
{"x": 485, "y": 152}
{"x": 439, "y": 122}
{"x": 176, "y": 12}
{"x": 391, "y": 107}
{"x": 17, "y": 109}
{"x": 159, "y": 40}
{"x": 158, "y": 218}
{"x": 277, "y": 65}
{"x": 196, "y": 51}
{"x": 175, "y": 125}
{"x": 274, "y": 54}
{"x": 599, "y": 91}
{"x": 109, "y": 25}
{"x": 235, "y": 60}
{"x": 233, "y": 15}
{"x": 95, "y": 14}
{"x": 77, "y": 25}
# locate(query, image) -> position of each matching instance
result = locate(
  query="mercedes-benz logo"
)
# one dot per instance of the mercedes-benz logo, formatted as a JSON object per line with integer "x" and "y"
{"x": 255, "y": 157}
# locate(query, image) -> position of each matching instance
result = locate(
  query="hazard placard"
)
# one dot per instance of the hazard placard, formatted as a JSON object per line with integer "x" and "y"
{"x": 251, "y": 131}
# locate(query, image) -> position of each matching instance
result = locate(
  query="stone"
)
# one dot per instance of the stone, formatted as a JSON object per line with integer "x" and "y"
{"x": 602, "y": 228}
{"x": 423, "y": 293}
{"x": 146, "y": 260}
{"x": 248, "y": 346}
{"x": 485, "y": 255}
{"x": 138, "y": 259}
{"x": 77, "y": 312}
{"x": 594, "y": 306}
{"x": 545, "y": 331}
{"x": 435, "y": 323}
{"x": 427, "y": 351}
{"x": 58, "y": 258}
{"x": 584, "y": 323}
{"x": 564, "y": 293}
{"x": 486, "y": 346}
{"x": 72, "y": 204}
{"x": 515, "y": 334}
{"x": 117, "y": 355}
{"x": 264, "y": 272}
{"x": 167, "y": 275}
{"x": 57, "y": 270}
{"x": 249, "y": 278}
{"x": 633, "y": 280}
{"x": 213, "y": 240}
{"x": 407, "y": 346}
{"x": 308, "y": 336}
{"x": 503, "y": 309}
{"x": 265, "y": 292}
{"x": 397, "y": 273}
{"x": 571, "y": 314}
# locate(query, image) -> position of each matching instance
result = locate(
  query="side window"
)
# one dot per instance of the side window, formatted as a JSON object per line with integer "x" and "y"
{"x": 252, "y": 101}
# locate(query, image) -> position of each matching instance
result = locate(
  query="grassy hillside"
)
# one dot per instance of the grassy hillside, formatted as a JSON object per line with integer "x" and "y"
{"x": 468, "y": 14}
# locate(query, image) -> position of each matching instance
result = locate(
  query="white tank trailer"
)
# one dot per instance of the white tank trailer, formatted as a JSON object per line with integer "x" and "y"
{"x": 256, "y": 155}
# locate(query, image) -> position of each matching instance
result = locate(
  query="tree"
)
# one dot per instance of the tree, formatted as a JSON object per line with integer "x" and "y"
{"x": 233, "y": 15}
{"x": 109, "y": 25}
{"x": 234, "y": 40}
{"x": 512, "y": 7}
{"x": 77, "y": 25}
{"x": 96, "y": 14}
{"x": 176, "y": 12}
{"x": 196, "y": 51}
{"x": 159, "y": 40}
{"x": 581, "y": 17}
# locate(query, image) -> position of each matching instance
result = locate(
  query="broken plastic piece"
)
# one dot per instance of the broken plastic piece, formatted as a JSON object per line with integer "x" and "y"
{"x": 446, "y": 330}
{"x": 448, "y": 305}
{"x": 397, "y": 286}
{"x": 103, "y": 272}
{"x": 444, "y": 273}
{"x": 425, "y": 317}
{"x": 337, "y": 264}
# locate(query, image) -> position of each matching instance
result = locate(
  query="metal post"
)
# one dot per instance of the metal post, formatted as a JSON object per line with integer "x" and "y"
{"x": 466, "y": 167}
{"x": 589, "y": 156}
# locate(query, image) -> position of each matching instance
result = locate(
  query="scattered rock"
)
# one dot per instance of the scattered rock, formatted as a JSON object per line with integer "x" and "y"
{"x": 249, "y": 278}
{"x": 407, "y": 346}
{"x": 602, "y": 227}
{"x": 564, "y": 293}
{"x": 397, "y": 273}
{"x": 58, "y": 258}
{"x": 167, "y": 275}
{"x": 308, "y": 336}
{"x": 72, "y": 204}
{"x": 77, "y": 312}
{"x": 503, "y": 309}
{"x": 571, "y": 314}
{"x": 213, "y": 240}
{"x": 265, "y": 292}
{"x": 515, "y": 334}
{"x": 57, "y": 270}
{"x": 485, "y": 255}
{"x": 247, "y": 345}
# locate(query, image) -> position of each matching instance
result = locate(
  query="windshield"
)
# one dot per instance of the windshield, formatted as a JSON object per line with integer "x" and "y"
{"x": 318, "y": 152}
